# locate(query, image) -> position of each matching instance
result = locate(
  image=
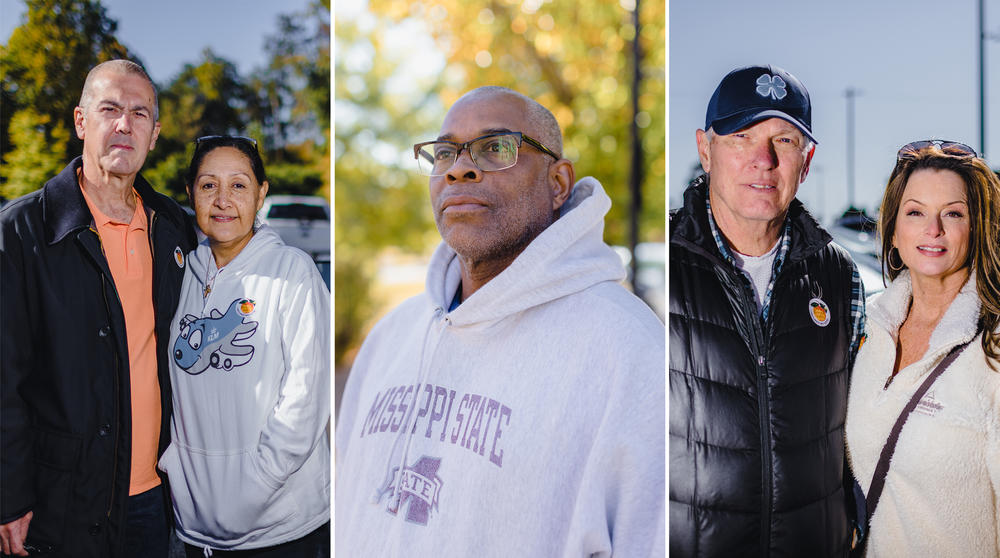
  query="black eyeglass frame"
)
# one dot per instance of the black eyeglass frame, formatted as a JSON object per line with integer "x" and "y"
{"x": 204, "y": 139}
{"x": 521, "y": 137}
{"x": 948, "y": 147}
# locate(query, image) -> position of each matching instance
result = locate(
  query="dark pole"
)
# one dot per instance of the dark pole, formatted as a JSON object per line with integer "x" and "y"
{"x": 982, "y": 81}
{"x": 635, "y": 180}
{"x": 850, "y": 93}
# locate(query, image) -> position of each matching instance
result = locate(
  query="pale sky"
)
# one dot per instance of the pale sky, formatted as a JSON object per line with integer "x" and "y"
{"x": 915, "y": 63}
{"x": 167, "y": 35}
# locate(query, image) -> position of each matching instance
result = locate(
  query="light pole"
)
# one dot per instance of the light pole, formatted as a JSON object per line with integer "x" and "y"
{"x": 982, "y": 81}
{"x": 850, "y": 93}
{"x": 983, "y": 37}
{"x": 635, "y": 177}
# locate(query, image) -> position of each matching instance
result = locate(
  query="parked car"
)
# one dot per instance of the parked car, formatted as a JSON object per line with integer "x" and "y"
{"x": 864, "y": 247}
{"x": 301, "y": 221}
{"x": 323, "y": 264}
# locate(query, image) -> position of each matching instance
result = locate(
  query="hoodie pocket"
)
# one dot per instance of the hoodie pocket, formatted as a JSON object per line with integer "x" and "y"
{"x": 221, "y": 497}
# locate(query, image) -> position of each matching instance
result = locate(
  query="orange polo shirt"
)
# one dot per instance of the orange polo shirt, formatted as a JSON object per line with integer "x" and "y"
{"x": 126, "y": 248}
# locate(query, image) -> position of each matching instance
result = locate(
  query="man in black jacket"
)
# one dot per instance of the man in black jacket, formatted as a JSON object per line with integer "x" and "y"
{"x": 765, "y": 319}
{"x": 92, "y": 265}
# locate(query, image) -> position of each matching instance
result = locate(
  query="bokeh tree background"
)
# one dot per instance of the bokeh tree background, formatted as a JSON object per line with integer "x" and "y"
{"x": 399, "y": 65}
{"x": 285, "y": 105}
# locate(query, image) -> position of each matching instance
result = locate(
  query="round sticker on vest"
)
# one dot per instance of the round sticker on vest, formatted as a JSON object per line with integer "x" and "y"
{"x": 819, "y": 312}
{"x": 179, "y": 257}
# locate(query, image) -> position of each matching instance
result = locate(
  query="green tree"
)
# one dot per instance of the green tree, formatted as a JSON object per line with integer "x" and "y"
{"x": 39, "y": 155}
{"x": 281, "y": 106}
{"x": 46, "y": 60}
{"x": 293, "y": 106}
{"x": 294, "y": 88}
{"x": 380, "y": 200}
{"x": 204, "y": 99}
{"x": 42, "y": 70}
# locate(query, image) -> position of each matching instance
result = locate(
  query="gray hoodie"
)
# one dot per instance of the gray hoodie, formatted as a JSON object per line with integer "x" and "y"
{"x": 249, "y": 459}
{"x": 529, "y": 421}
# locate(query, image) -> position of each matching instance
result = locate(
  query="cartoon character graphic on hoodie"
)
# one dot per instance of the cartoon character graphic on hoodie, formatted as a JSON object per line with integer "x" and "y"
{"x": 248, "y": 460}
{"x": 211, "y": 341}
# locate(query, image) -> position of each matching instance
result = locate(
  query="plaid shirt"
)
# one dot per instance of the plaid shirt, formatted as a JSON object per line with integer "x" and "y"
{"x": 857, "y": 287}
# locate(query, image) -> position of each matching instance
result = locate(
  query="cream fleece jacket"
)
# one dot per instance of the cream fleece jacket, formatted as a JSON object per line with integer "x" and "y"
{"x": 942, "y": 492}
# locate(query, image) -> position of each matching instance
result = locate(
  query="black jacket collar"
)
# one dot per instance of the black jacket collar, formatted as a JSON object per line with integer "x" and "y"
{"x": 689, "y": 225}
{"x": 65, "y": 210}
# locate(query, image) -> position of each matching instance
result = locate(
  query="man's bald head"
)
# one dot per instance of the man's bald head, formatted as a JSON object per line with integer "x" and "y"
{"x": 119, "y": 67}
{"x": 489, "y": 216}
{"x": 542, "y": 125}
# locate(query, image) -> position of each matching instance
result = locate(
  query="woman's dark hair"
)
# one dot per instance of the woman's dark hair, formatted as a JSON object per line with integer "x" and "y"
{"x": 982, "y": 194}
{"x": 205, "y": 145}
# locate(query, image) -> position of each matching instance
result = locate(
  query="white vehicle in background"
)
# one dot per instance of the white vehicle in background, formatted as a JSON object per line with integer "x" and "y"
{"x": 301, "y": 221}
{"x": 857, "y": 234}
{"x": 323, "y": 265}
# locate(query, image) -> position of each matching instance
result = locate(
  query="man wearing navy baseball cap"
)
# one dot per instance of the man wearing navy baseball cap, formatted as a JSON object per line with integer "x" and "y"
{"x": 766, "y": 316}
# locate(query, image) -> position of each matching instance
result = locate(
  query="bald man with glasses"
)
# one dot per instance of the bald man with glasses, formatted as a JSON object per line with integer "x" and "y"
{"x": 516, "y": 406}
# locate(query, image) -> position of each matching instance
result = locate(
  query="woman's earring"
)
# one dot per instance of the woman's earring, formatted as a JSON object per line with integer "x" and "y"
{"x": 901, "y": 265}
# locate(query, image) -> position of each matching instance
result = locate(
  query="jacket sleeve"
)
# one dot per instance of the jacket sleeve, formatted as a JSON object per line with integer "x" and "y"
{"x": 16, "y": 447}
{"x": 302, "y": 412}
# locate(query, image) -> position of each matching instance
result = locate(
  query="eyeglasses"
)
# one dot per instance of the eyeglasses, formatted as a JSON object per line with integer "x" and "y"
{"x": 953, "y": 148}
{"x": 204, "y": 139}
{"x": 492, "y": 152}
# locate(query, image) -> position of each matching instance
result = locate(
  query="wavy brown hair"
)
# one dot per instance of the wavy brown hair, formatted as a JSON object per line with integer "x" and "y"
{"x": 982, "y": 192}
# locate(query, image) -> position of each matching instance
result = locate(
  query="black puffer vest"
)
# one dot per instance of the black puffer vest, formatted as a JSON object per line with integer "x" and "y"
{"x": 757, "y": 408}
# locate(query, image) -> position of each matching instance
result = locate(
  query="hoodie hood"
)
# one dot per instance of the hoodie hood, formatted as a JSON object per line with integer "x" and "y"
{"x": 261, "y": 244}
{"x": 959, "y": 324}
{"x": 248, "y": 460}
{"x": 567, "y": 257}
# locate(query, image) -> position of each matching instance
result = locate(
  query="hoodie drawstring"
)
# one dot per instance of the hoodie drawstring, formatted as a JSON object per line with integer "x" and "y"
{"x": 422, "y": 373}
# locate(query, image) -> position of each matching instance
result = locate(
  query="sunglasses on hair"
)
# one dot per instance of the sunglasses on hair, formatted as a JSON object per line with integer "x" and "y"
{"x": 203, "y": 139}
{"x": 953, "y": 148}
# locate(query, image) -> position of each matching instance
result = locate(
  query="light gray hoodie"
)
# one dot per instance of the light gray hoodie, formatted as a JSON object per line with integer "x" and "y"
{"x": 249, "y": 459}
{"x": 529, "y": 421}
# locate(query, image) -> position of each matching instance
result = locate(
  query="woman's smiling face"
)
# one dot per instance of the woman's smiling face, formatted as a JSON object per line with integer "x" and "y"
{"x": 227, "y": 198}
{"x": 933, "y": 225}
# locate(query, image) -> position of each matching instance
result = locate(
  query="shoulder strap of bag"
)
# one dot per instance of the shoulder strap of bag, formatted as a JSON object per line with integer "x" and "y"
{"x": 878, "y": 479}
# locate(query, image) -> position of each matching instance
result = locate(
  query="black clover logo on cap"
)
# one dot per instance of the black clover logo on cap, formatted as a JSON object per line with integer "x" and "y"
{"x": 772, "y": 86}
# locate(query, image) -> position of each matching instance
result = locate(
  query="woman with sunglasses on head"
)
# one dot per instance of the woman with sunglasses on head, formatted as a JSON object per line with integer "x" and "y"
{"x": 923, "y": 417}
{"x": 248, "y": 462}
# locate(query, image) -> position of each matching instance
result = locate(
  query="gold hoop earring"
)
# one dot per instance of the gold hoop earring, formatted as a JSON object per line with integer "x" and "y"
{"x": 896, "y": 268}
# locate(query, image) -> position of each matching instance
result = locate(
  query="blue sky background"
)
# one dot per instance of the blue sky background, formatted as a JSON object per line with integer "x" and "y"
{"x": 915, "y": 63}
{"x": 169, "y": 34}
